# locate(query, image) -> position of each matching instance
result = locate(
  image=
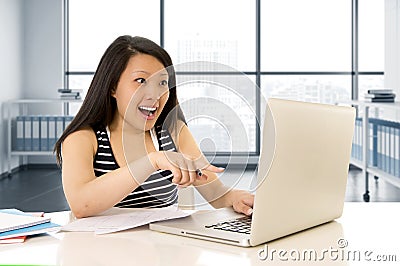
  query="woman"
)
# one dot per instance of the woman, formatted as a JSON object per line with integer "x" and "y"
{"x": 129, "y": 146}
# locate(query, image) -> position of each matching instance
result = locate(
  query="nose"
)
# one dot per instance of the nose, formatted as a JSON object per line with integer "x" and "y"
{"x": 154, "y": 89}
{"x": 151, "y": 91}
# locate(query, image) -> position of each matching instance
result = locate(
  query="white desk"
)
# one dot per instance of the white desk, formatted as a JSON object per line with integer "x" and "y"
{"x": 367, "y": 227}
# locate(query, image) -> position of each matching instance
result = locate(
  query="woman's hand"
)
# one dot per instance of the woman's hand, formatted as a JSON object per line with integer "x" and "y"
{"x": 241, "y": 201}
{"x": 183, "y": 168}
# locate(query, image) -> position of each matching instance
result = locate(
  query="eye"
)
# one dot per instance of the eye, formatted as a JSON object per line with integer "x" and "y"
{"x": 140, "y": 80}
{"x": 164, "y": 83}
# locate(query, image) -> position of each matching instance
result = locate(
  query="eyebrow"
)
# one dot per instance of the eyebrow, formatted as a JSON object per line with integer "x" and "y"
{"x": 140, "y": 71}
{"x": 145, "y": 72}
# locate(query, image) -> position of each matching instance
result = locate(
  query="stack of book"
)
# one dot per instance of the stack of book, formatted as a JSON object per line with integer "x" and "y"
{"x": 67, "y": 94}
{"x": 380, "y": 96}
{"x": 16, "y": 225}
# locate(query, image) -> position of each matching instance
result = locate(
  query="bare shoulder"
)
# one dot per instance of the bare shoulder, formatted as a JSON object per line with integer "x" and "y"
{"x": 83, "y": 139}
{"x": 180, "y": 125}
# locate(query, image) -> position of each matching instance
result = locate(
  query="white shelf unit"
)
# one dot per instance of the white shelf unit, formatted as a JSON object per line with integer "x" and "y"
{"x": 25, "y": 107}
{"x": 364, "y": 164}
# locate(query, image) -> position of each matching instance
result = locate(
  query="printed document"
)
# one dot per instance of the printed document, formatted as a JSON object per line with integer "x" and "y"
{"x": 118, "y": 219}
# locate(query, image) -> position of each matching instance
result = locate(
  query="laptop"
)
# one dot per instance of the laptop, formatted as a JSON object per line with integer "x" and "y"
{"x": 301, "y": 178}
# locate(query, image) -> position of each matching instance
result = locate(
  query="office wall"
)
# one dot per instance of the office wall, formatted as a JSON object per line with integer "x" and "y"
{"x": 392, "y": 45}
{"x": 11, "y": 65}
{"x": 43, "y": 56}
{"x": 392, "y": 54}
{"x": 31, "y": 65}
{"x": 43, "y": 48}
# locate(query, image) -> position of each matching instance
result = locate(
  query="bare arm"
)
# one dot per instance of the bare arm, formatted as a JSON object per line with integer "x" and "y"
{"x": 87, "y": 194}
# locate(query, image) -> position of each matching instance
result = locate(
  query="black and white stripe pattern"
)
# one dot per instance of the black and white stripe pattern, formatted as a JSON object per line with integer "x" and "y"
{"x": 156, "y": 191}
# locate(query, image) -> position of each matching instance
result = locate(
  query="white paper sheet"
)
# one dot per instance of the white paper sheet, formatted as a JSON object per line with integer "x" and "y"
{"x": 118, "y": 219}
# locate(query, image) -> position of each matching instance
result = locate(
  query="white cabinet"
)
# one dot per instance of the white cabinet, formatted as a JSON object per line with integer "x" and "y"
{"x": 376, "y": 144}
{"x": 34, "y": 125}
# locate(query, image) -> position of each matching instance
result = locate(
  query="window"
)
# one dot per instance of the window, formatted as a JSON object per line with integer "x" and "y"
{"x": 311, "y": 88}
{"x": 307, "y": 35}
{"x": 94, "y": 24}
{"x": 291, "y": 49}
{"x": 371, "y": 37}
{"x": 194, "y": 31}
{"x": 220, "y": 111}
{"x": 220, "y": 31}
{"x": 371, "y": 45}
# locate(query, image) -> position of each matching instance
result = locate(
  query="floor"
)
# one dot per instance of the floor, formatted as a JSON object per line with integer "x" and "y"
{"x": 41, "y": 189}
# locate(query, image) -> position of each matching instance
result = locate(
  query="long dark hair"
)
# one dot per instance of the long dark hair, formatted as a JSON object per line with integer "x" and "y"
{"x": 99, "y": 106}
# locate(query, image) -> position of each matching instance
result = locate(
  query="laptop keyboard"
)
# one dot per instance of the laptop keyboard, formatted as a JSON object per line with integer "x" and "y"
{"x": 240, "y": 225}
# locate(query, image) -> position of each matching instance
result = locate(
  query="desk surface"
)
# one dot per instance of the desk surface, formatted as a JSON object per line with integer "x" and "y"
{"x": 369, "y": 231}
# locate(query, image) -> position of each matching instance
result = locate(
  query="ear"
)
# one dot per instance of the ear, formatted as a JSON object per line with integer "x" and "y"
{"x": 113, "y": 91}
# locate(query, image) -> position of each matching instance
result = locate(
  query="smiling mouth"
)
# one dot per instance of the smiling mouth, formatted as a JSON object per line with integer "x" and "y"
{"x": 147, "y": 111}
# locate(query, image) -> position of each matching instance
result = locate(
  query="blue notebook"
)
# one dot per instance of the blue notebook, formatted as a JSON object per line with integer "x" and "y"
{"x": 48, "y": 227}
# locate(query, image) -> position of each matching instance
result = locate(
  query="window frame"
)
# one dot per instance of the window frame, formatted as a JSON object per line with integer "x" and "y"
{"x": 354, "y": 73}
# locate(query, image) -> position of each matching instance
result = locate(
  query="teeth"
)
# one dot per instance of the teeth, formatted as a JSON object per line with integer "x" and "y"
{"x": 150, "y": 109}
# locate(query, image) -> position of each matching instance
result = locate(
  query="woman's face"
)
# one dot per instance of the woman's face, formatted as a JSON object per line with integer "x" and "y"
{"x": 142, "y": 92}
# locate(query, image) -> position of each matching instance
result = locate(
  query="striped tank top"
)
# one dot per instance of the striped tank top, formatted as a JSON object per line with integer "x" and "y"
{"x": 157, "y": 190}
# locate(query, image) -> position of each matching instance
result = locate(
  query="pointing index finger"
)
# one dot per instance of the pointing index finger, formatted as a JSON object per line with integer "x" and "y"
{"x": 214, "y": 169}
